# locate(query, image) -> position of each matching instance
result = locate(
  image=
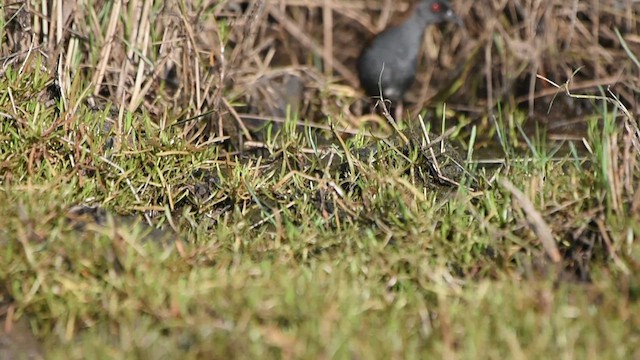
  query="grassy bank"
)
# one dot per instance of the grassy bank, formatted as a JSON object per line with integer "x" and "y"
{"x": 128, "y": 229}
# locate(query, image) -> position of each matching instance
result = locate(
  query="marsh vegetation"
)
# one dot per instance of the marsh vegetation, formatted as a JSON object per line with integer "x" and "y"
{"x": 188, "y": 179}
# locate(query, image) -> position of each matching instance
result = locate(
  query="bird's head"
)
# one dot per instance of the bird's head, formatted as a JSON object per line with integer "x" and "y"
{"x": 436, "y": 11}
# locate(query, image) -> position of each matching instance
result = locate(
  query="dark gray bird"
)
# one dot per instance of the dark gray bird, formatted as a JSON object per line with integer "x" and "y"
{"x": 389, "y": 62}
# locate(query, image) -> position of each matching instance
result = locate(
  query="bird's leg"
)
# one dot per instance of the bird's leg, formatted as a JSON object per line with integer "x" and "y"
{"x": 397, "y": 114}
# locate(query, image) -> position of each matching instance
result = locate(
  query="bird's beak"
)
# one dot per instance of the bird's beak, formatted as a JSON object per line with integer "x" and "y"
{"x": 454, "y": 18}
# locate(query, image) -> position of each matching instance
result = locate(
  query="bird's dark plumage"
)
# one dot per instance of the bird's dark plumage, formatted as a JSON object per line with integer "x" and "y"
{"x": 389, "y": 62}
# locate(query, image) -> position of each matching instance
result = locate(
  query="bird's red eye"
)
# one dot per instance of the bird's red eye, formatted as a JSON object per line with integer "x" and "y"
{"x": 436, "y": 8}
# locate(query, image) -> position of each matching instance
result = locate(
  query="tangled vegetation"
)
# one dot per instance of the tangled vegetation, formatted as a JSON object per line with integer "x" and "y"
{"x": 189, "y": 179}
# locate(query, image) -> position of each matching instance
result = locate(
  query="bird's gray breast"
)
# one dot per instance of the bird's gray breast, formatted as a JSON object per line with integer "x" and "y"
{"x": 391, "y": 60}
